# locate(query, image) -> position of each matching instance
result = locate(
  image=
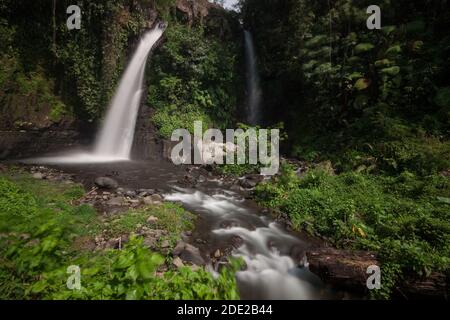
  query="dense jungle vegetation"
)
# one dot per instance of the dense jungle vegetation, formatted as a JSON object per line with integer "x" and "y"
{"x": 376, "y": 103}
{"x": 368, "y": 111}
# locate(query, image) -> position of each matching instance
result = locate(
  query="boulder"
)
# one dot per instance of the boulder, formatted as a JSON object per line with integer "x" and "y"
{"x": 157, "y": 198}
{"x": 192, "y": 255}
{"x": 106, "y": 183}
{"x": 342, "y": 268}
{"x": 148, "y": 200}
{"x": 178, "y": 248}
{"x": 130, "y": 194}
{"x": 327, "y": 167}
{"x": 116, "y": 201}
{"x": 348, "y": 270}
{"x": 251, "y": 181}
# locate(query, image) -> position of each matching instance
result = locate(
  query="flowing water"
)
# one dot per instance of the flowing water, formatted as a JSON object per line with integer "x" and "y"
{"x": 116, "y": 135}
{"x": 254, "y": 93}
{"x": 275, "y": 258}
{"x": 276, "y": 266}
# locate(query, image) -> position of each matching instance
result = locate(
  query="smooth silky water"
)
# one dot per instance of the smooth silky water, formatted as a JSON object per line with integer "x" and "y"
{"x": 276, "y": 265}
{"x": 275, "y": 259}
{"x": 115, "y": 138}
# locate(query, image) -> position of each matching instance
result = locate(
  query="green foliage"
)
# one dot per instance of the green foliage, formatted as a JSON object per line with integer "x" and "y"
{"x": 131, "y": 274}
{"x": 37, "y": 228}
{"x": 400, "y": 218}
{"x": 340, "y": 87}
{"x": 193, "y": 78}
{"x": 170, "y": 217}
{"x": 28, "y": 95}
{"x": 86, "y": 64}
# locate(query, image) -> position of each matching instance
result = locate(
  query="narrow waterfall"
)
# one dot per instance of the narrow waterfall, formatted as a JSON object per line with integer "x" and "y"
{"x": 116, "y": 135}
{"x": 253, "y": 88}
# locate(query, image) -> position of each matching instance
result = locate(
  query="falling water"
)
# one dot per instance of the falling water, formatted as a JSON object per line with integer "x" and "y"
{"x": 254, "y": 91}
{"x": 115, "y": 138}
{"x": 116, "y": 135}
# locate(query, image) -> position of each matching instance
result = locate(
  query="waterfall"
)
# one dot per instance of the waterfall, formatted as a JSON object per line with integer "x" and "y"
{"x": 115, "y": 138}
{"x": 254, "y": 91}
{"x": 116, "y": 135}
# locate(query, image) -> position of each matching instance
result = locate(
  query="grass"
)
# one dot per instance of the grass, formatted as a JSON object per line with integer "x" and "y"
{"x": 39, "y": 225}
{"x": 404, "y": 218}
{"x": 171, "y": 218}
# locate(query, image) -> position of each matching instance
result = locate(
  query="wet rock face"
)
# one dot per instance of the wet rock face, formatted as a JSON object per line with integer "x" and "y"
{"x": 29, "y": 143}
{"x": 196, "y": 10}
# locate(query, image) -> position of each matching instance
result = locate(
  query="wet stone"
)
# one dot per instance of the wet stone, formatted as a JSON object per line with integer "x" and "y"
{"x": 38, "y": 175}
{"x": 107, "y": 183}
{"x": 177, "y": 262}
{"x": 192, "y": 255}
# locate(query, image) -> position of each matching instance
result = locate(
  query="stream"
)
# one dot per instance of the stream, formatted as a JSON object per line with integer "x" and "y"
{"x": 276, "y": 266}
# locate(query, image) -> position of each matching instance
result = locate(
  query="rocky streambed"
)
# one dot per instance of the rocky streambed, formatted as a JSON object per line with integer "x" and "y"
{"x": 280, "y": 263}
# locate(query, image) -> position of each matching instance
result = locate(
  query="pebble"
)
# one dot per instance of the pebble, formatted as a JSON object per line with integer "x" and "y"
{"x": 165, "y": 244}
{"x": 177, "y": 262}
{"x": 152, "y": 220}
{"x": 38, "y": 175}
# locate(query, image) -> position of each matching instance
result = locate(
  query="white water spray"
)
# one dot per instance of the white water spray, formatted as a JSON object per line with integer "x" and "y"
{"x": 116, "y": 135}
{"x": 271, "y": 272}
{"x": 253, "y": 88}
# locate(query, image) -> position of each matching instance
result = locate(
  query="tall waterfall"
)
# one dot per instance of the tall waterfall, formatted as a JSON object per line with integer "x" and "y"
{"x": 253, "y": 88}
{"x": 116, "y": 135}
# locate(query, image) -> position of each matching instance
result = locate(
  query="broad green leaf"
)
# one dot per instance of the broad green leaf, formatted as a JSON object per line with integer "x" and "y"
{"x": 124, "y": 261}
{"x": 417, "y": 45}
{"x": 316, "y": 41}
{"x": 388, "y": 29}
{"x": 362, "y": 84}
{"x": 355, "y": 75}
{"x": 394, "y": 50}
{"x": 392, "y": 71}
{"x": 364, "y": 47}
{"x": 383, "y": 63}
{"x": 39, "y": 286}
